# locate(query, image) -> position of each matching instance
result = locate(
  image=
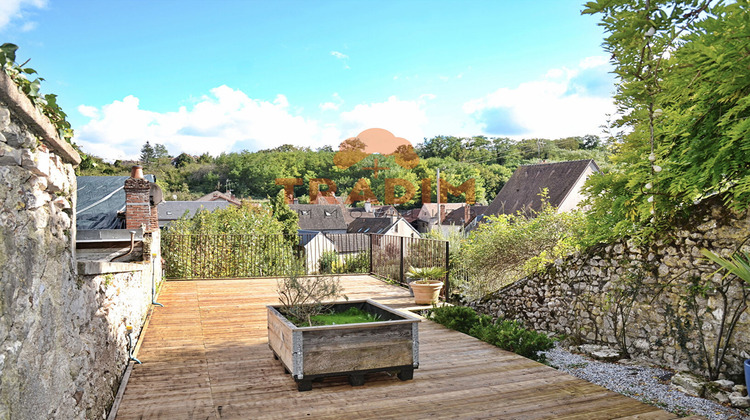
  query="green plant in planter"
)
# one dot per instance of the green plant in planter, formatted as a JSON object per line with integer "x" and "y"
{"x": 303, "y": 297}
{"x": 426, "y": 274}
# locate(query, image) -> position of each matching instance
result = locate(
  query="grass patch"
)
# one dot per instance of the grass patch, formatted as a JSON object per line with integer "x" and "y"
{"x": 350, "y": 316}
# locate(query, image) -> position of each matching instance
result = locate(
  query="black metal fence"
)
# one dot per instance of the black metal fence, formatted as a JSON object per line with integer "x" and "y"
{"x": 392, "y": 256}
{"x": 228, "y": 256}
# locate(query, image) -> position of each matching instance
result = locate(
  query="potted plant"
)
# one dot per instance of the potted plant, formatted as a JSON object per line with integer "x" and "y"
{"x": 426, "y": 284}
{"x": 389, "y": 341}
{"x": 739, "y": 265}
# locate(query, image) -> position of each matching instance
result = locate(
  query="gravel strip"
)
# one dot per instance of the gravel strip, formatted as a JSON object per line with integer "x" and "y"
{"x": 647, "y": 384}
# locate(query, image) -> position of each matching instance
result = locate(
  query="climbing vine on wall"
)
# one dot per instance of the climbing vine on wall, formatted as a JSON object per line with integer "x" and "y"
{"x": 47, "y": 104}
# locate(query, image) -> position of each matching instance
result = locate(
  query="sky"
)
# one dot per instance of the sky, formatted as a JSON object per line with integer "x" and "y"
{"x": 232, "y": 75}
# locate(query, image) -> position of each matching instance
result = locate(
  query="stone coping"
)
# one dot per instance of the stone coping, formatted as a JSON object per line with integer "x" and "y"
{"x": 102, "y": 267}
{"x": 38, "y": 123}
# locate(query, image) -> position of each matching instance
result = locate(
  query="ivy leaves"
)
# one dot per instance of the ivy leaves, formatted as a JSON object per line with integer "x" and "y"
{"x": 46, "y": 103}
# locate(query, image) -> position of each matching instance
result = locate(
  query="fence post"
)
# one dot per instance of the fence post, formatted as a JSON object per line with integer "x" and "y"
{"x": 447, "y": 271}
{"x": 401, "y": 263}
{"x": 370, "y": 236}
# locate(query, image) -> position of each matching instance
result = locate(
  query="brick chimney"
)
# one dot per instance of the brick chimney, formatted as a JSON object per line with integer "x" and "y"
{"x": 467, "y": 213}
{"x": 139, "y": 212}
{"x": 441, "y": 214}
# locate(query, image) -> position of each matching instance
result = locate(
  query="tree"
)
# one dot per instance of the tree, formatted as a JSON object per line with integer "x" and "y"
{"x": 183, "y": 160}
{"x": 286, "y": 216}
{"x": 147, "y": 154}
{"x": 160, "y": 151}
{"x": 683, "y": 89}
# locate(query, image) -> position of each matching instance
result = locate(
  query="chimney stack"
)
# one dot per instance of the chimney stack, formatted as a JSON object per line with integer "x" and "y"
{"x": 441, "y": 214}
{"x": 139, "y": 211}
{"x": 467, "y": 213}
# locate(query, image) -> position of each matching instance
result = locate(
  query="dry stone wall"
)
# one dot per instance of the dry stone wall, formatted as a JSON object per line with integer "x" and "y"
{"x": 662, "y": 303}
{"x": 62, "y": 335}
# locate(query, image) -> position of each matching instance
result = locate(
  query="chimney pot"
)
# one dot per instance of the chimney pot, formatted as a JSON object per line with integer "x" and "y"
{"x": 137, "y": 172}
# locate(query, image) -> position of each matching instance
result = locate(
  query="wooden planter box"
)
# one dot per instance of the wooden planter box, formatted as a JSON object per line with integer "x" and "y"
{"x": 352, "y": 350}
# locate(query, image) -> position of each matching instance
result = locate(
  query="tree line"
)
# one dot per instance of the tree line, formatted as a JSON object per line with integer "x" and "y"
{"x": 489, "y": 161}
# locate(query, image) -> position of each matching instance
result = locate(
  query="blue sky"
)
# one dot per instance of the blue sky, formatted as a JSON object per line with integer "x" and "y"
{"x": 219, "y": 76}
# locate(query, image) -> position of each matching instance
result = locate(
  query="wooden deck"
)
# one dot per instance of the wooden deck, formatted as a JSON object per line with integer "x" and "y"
{"x": 205, "y": 356}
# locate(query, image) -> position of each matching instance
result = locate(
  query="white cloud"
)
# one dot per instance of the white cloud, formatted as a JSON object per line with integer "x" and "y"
{"x": 333, "y": 105}
{"x": 340, "y": 56}
{"x": 225, "y": 120}
{"x": 14, "y": 9}
{"x": 566, "y": 102}
{"x": 88, "y": 111}
{"x": 404, "y": 119}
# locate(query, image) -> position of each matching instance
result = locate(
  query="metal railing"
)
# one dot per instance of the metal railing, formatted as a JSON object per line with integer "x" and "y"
{"x": 392, "y": 256}
{"x": 228, "y": 256}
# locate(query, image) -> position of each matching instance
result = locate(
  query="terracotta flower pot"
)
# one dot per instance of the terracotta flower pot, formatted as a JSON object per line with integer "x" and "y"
{"x": 426, "y": 292}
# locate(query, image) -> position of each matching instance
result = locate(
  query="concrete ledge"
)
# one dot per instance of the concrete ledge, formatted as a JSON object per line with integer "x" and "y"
{"x": 92, "y": 268}
{"x": 39, "y": 124}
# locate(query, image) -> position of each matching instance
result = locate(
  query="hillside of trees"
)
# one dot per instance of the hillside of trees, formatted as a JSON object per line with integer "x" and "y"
{"x": 252, "y": 175}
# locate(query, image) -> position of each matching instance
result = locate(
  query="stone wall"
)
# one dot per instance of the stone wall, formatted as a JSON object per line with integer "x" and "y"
{"x": 661, "y": 303}
{"x": 62, "y": 340}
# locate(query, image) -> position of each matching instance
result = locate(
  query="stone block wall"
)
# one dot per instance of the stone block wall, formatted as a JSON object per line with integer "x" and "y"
{"x": 62, "y": 340}
{"x": 662, "y": 303}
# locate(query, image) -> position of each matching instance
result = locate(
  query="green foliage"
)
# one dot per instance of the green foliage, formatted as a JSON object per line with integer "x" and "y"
{"x": 46, "y": 103}
{"x": 459, "y": 318}
{"x": 426, "y": 273}
{"x": 358, "y": 263}
{"x": 286, "y": 216}
{"x": 490, "y": 162}
{"x": 150, "y": 155}
{"x": 233, "y": 242}
{"x": 330, "y": 263}
{"x": 305, "y": 297}
{"x": 327, "y": 262}
{"x": 507, "y": 247}
{"x": 508, "y": 335}
{"x": 738, "y": 264}
{"x": 683, "y": 93}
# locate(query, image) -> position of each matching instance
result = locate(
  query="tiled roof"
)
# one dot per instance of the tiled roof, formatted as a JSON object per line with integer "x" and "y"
{"x": 456, "y": 217}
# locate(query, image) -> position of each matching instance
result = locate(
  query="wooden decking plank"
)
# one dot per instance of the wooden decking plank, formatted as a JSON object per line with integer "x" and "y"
{"x": 210, "y": 345}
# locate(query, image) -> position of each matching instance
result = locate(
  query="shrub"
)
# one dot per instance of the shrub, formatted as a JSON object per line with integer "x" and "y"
{"x": 327, "y": 261}
{"x": 508, "y": 335}
{"x": 304, "y": 297}
{"x": 359, "y": 263}
{"x": 508, "y": 247}
{"x": 459, "y": 318}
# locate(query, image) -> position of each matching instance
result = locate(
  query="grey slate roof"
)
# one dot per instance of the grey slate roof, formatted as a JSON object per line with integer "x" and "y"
{"x": 523, "y": 188}
{"x": 173, "y": 210}
{"x": 319, "y": 217}
{"x": 99, "y": 199}
{"x": 370, "y": 225}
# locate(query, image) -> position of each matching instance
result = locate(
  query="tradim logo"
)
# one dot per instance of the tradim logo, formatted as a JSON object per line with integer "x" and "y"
{"x": 375, "y": 141}
{"x": 378, "y": 142}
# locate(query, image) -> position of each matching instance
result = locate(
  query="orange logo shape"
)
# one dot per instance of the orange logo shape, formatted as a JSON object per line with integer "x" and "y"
{"x": 375, "y": 140}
